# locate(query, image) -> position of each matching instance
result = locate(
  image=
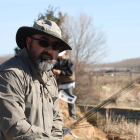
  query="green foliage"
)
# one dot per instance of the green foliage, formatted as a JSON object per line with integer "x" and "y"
{"x": 55, "y": 15}
{"x": 17, "y": 50}
{"x": 52, "y": 14}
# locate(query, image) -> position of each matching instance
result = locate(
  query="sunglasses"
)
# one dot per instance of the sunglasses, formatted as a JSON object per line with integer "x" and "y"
{"x": 43, "y": 43}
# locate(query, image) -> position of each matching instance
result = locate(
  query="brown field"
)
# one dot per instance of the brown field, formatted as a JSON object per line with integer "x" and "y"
{"x": 102, "y": 88}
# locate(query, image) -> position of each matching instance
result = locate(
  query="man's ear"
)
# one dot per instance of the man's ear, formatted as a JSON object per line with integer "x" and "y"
{"x": 28, "y": 42}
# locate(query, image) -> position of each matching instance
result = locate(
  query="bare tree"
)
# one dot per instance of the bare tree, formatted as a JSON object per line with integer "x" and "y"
{"x": 87, "y": 42}
{"x": 88, "y": 46}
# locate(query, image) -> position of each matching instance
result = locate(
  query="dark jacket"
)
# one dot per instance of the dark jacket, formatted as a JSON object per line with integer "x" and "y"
{"x": 67, "y": 74}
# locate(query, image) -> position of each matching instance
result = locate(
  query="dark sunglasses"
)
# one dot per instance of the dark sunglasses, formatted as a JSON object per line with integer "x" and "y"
{"x": 43, "y": 43}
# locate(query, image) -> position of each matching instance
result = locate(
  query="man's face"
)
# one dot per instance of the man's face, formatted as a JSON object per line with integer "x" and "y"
{"x": 43, "y": 58}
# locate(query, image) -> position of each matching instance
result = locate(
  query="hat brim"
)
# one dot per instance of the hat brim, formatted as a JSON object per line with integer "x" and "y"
{"x": 24, "y": 32}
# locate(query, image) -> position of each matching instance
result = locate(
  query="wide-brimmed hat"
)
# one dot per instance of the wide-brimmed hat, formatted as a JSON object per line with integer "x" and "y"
{"x": 43, "y": 27}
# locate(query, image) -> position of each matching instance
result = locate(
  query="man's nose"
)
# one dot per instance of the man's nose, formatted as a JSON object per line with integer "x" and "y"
{"x": 49, "y": 48}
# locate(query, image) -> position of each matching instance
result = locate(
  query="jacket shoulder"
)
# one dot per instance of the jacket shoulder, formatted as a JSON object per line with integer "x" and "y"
{"x": 13, "y": 62}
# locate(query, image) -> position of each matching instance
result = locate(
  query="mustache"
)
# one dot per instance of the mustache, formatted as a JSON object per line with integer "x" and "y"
{"x": 45, "y": 53}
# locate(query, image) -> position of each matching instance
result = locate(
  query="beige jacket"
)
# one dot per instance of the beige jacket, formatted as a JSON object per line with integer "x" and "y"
{"x": 28, "y": 110}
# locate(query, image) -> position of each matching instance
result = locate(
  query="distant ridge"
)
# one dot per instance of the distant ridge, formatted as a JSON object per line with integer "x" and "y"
{"x": 128, "y": 63}
{"x": 5, "y": 58}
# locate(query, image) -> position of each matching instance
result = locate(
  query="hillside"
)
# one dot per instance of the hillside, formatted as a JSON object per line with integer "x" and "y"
{"x": 4, "y": 58}
{"x": 128, "y": 63}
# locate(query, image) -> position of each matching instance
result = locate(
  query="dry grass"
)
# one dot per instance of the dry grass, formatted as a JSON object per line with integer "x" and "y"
{"x": 106, "y": 86}
{"x": 102, "y": 88}
{"x": 102, "y": 80}
{"x": 92, "y": 89}
{"x": 119, "y": 127}
{"x": 131, "y": 95}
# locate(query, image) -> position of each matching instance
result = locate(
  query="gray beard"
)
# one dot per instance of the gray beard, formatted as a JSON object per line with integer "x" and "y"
{"x": 45, "y": 65}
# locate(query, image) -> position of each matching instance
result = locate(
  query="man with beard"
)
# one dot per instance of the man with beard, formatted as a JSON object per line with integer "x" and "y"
{"x": 29, "y": 105}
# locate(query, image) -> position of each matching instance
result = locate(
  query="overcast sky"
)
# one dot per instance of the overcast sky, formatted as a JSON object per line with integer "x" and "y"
{"x": 119, "y": 19}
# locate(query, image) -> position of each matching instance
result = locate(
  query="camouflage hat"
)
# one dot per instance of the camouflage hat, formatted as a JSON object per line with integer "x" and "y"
{"x": 43, "y": 27}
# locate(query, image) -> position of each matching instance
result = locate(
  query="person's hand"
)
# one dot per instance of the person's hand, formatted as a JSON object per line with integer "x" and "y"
{"x": 57, "y": 72}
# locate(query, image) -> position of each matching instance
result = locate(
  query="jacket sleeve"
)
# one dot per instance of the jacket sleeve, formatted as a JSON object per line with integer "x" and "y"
{"x": 70, "y": 68}
{"x": 13, "y": 122}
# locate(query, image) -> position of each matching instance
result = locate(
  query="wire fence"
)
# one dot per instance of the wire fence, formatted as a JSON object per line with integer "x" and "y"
{"x": 112, "y": 77}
